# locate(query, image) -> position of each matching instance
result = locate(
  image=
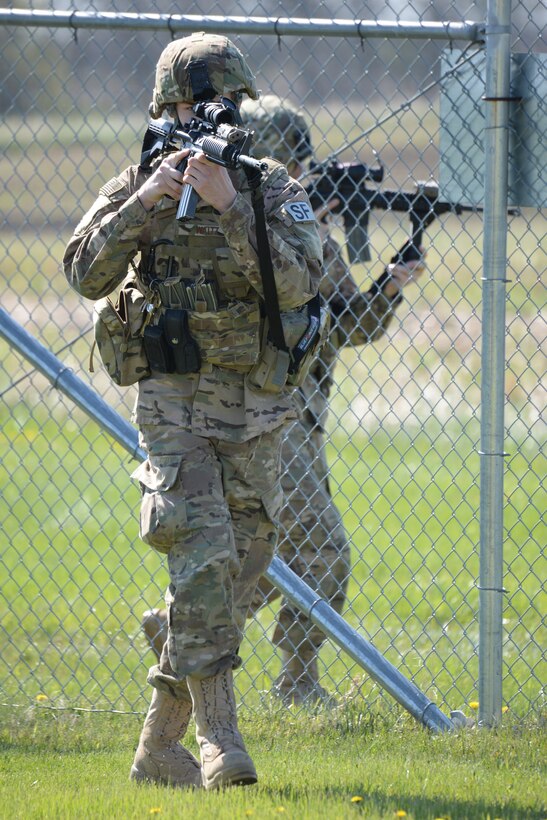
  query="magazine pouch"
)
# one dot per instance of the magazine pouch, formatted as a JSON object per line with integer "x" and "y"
{"x": 304, "y": 331}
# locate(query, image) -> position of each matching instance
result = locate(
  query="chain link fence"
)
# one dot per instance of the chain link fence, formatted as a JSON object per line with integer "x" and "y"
{"x": 404, "y": 426}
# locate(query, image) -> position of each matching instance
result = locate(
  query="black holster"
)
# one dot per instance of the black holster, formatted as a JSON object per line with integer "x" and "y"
{"x": 169, "y": 346}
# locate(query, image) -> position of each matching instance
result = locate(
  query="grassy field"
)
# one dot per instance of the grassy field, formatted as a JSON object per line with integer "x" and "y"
{"x": 341, "y": 764}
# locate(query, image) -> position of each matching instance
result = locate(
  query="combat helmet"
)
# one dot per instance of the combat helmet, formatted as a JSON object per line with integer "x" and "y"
{"x": 281, "y": 131}
{"x": 199, "y": 67}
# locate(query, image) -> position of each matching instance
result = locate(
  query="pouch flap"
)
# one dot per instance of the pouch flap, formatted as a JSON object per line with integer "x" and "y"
{"x": 158, "y": 473}
{"x": 105, "y": 311}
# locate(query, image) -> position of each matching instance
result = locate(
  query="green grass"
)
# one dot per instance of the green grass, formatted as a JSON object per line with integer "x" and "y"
{"x": 350, "y": 763}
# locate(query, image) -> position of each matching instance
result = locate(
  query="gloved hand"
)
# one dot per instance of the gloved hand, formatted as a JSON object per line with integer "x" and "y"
{"x": 401, "y": 274}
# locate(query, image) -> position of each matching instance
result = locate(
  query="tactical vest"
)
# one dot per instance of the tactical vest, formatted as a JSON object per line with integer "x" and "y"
{"x": 191, "y": 267}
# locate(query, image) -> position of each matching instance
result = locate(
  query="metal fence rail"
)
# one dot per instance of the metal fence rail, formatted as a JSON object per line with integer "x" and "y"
{"x": 410, "y": 414}
{"x": 179, "y": 24}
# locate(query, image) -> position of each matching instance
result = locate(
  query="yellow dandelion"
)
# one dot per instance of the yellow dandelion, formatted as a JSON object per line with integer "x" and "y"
{"x": 473, "y": 704}
{"x": 357, "y": 799}
{"x": 249, "y": 812}
{"x": 280, "y": 809}
{"x": 41, "y": 698}
{"x": 400, "y": 813}
{"x": 504, "y": 709}
{"x": 155, "y": 810}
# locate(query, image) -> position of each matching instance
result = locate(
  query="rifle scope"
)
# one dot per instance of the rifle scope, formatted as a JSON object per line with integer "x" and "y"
{"x": 217, "y": 113}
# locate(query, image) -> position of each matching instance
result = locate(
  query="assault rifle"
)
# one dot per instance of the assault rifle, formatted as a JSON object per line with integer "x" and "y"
{"x": 215, "y": 131}
{"x": 346, "y": 182}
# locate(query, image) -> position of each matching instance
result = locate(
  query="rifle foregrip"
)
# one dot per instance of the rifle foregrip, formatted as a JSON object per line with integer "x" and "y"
{"x": 408, "y": 253}
{"x": 357, "y": 241}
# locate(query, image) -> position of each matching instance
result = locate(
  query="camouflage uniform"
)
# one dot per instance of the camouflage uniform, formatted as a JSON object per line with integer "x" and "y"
{"x": 211, "y": 495}
{"x": 312, "y": 537}
{"x": 312, "y": 540}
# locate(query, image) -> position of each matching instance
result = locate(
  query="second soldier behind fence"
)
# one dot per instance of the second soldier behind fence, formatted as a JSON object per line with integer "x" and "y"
{"x": 313, "y": 540}
{"x": 211, "y": 495}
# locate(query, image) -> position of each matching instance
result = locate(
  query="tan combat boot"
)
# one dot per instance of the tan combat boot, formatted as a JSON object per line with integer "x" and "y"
{"x": 298, "y": 681}
{"x": 224, "y": 759}
{"x": 154, "y": 624}
{"x": 160, "y": 758}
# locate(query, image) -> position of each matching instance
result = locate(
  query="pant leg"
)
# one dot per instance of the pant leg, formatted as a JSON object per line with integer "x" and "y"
{"x": 184, "y": 514}
{"x": 251, "y": 474}
{"x": 313, "y": 541}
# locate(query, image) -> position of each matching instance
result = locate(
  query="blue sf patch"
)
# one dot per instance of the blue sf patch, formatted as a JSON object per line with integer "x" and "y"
{"x": 300, "y": 211}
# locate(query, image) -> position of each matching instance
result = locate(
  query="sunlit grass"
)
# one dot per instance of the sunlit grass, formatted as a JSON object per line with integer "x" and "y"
{"x": 333, "y": 764}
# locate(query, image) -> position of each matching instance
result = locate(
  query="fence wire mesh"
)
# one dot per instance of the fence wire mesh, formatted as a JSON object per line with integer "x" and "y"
{"x": 403, "y": 431}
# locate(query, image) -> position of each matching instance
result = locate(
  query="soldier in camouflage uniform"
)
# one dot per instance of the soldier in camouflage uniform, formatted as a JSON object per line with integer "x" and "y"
{"x": 211, "y": 495}
{"x": 313, "y": 541}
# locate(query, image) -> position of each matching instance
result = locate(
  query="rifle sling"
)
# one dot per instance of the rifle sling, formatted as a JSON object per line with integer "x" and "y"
{"x": 271, "y": 302}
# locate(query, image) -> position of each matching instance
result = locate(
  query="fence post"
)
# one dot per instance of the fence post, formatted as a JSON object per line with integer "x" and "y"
{"x": 496, "y": 142}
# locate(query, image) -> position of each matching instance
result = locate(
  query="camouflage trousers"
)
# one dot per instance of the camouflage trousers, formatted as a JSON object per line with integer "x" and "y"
{"x": 212, "y": 506}
{"x": 312, "y": 539}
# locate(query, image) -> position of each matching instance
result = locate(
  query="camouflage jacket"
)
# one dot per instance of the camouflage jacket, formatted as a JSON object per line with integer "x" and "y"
{"x": 356, "y": 319}
{"x": 111, "y": 236}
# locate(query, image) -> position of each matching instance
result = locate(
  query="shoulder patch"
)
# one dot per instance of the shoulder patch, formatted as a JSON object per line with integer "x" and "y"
{"x": 299, "y": 211}
{"x": 111, "y": 187}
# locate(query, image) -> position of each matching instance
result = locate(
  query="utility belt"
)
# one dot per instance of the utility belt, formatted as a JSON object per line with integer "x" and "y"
{"x": 182, "y": 341}
{"x": 237, "y": 338}
{"x": 137, "y": 334}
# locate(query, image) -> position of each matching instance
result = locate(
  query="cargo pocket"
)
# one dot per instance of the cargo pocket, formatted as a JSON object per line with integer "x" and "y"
{"x": 163, "y": 519}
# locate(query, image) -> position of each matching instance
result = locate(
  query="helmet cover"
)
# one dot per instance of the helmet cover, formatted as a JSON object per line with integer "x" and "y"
{"x": 226, "y": 65}
{"x": 280, "y": 129}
